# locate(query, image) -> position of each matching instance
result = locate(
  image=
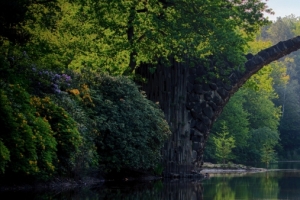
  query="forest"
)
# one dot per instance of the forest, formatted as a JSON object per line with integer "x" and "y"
{"x": 69, "y": 102}
{"x": 262, "y": 118}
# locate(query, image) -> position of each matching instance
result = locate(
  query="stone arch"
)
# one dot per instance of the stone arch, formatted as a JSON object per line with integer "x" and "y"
{"x": 191, "y": 107}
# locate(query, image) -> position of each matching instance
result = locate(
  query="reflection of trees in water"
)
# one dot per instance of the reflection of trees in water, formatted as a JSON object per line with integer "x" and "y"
{"x": 220, "y": 189}
{"x": 269, "y": 185}
{"x": 224, "y": 191}
{"x": 156, "y": 190}
{"x": 169, "y": 190}
{"x": 245, "y": 186}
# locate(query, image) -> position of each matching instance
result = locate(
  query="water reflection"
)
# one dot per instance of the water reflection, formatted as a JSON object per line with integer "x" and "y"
{"x": 168, "y": 189}
{"x": 266, "y": 185}
{"x": 284, "y": 184}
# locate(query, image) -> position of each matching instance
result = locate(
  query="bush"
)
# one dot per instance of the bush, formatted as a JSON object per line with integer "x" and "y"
{"x": 132, "y": 128}
{"x": 4, "y": 157}
{"x": 66, "y": 133}
{"x": 86, "y": 158}
{"x": 27, "y": 139}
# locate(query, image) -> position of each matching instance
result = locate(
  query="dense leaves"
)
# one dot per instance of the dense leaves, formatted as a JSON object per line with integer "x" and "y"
{"x": 118, "y": 36}
{"x": 132, "y": 128}
{"x": 27, "y": 140}
{"x": 224, "y": 144}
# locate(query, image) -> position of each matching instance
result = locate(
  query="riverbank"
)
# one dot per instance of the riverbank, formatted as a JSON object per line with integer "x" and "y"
{"x": 67, "y": 184}
{"x": 210, "y": 168}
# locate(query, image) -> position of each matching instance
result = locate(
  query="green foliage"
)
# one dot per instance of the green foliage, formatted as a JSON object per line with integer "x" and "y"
{"x": 261, "y": 142}
{"x": 13, "y": 14}
{"x": 66, "y": 133}
{"x": 28, "y": 138}
{"x": 236, "y": 118}
{"x": 86, "y": 158}
{"x": 267, "y": 154}
{"x": 5, "y": 157}
{"x": 288, "y": 91}
{"x": 132, "y": 129}
{"x": 249, "y": 110}
{"x": 224, "y": 144}
{"x": 263, "y": 112}
{"x": 117, "y": 36}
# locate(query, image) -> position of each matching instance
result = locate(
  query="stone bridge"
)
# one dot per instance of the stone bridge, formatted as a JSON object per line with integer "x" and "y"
{"x": 192, "y": 101}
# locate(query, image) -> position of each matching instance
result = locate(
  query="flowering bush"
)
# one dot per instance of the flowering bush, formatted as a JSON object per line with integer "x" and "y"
{"x": 50, "y": 82}
{"x": 27, "y": 139}
{"x": 66, "y": 134}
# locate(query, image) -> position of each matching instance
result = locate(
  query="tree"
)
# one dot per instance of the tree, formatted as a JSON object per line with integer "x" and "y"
{"x": 289, "y": 121}
{"x": 262, "y": 140}
{"x": 279, "y": 31}
{"x": 267, "y": 154}
{"x": 14, "y": 13}
{"x": 119, "y": 36}
{"x": 224, "y": 144}
{"x": 236, "y": 118}
{"x": 288, "y": 90}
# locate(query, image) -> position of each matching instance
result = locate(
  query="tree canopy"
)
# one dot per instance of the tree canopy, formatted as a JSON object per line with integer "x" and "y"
{"x": 118, "y": 36}
{"x": 270, "y": 100}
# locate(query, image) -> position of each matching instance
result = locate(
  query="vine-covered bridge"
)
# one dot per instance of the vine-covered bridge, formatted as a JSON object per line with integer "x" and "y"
{"x": 191, "y": 106}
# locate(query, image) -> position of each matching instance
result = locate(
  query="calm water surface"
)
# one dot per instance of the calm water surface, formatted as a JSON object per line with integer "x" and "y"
{"x": 275, "y": 184}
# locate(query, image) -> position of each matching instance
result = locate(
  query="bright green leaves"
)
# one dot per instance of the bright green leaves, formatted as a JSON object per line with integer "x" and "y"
{"x": 38, "y": 138}
{"x": 263, "y": 141}
{"x": 66, "y": 133}
{"x": 27, "y": 137}
{"x": 236, "y": 118}
{"x": 118, "y": 36}
{"x": 249, "y": 110}
{"x": 268, "y": 154}
{"x": 224, "y": 144}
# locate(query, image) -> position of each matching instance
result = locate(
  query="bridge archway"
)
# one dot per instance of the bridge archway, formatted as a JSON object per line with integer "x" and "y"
{"x": 191, "y": 106}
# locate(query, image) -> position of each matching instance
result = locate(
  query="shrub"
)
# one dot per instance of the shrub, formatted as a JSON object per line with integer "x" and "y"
{"x": 4, "y": 157}
{"x": 27, "y": 138}
{"x": 132, "y": 128}
{"x": 86, "y": 158}
{"x": 66, "y": 133}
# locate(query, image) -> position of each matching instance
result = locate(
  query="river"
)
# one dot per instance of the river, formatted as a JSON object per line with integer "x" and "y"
{"x": 281, "y": 182}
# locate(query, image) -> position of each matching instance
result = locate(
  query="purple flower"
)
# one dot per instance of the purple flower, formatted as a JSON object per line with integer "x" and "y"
{"x": 66, "y": 77}
{"x": 56, "y": 77}
{"x": 55, "y": 88}
{"x": 57, "y": 91}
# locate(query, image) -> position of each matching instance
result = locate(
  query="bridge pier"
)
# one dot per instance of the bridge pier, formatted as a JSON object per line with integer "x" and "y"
{"x": 190, "y": 108}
